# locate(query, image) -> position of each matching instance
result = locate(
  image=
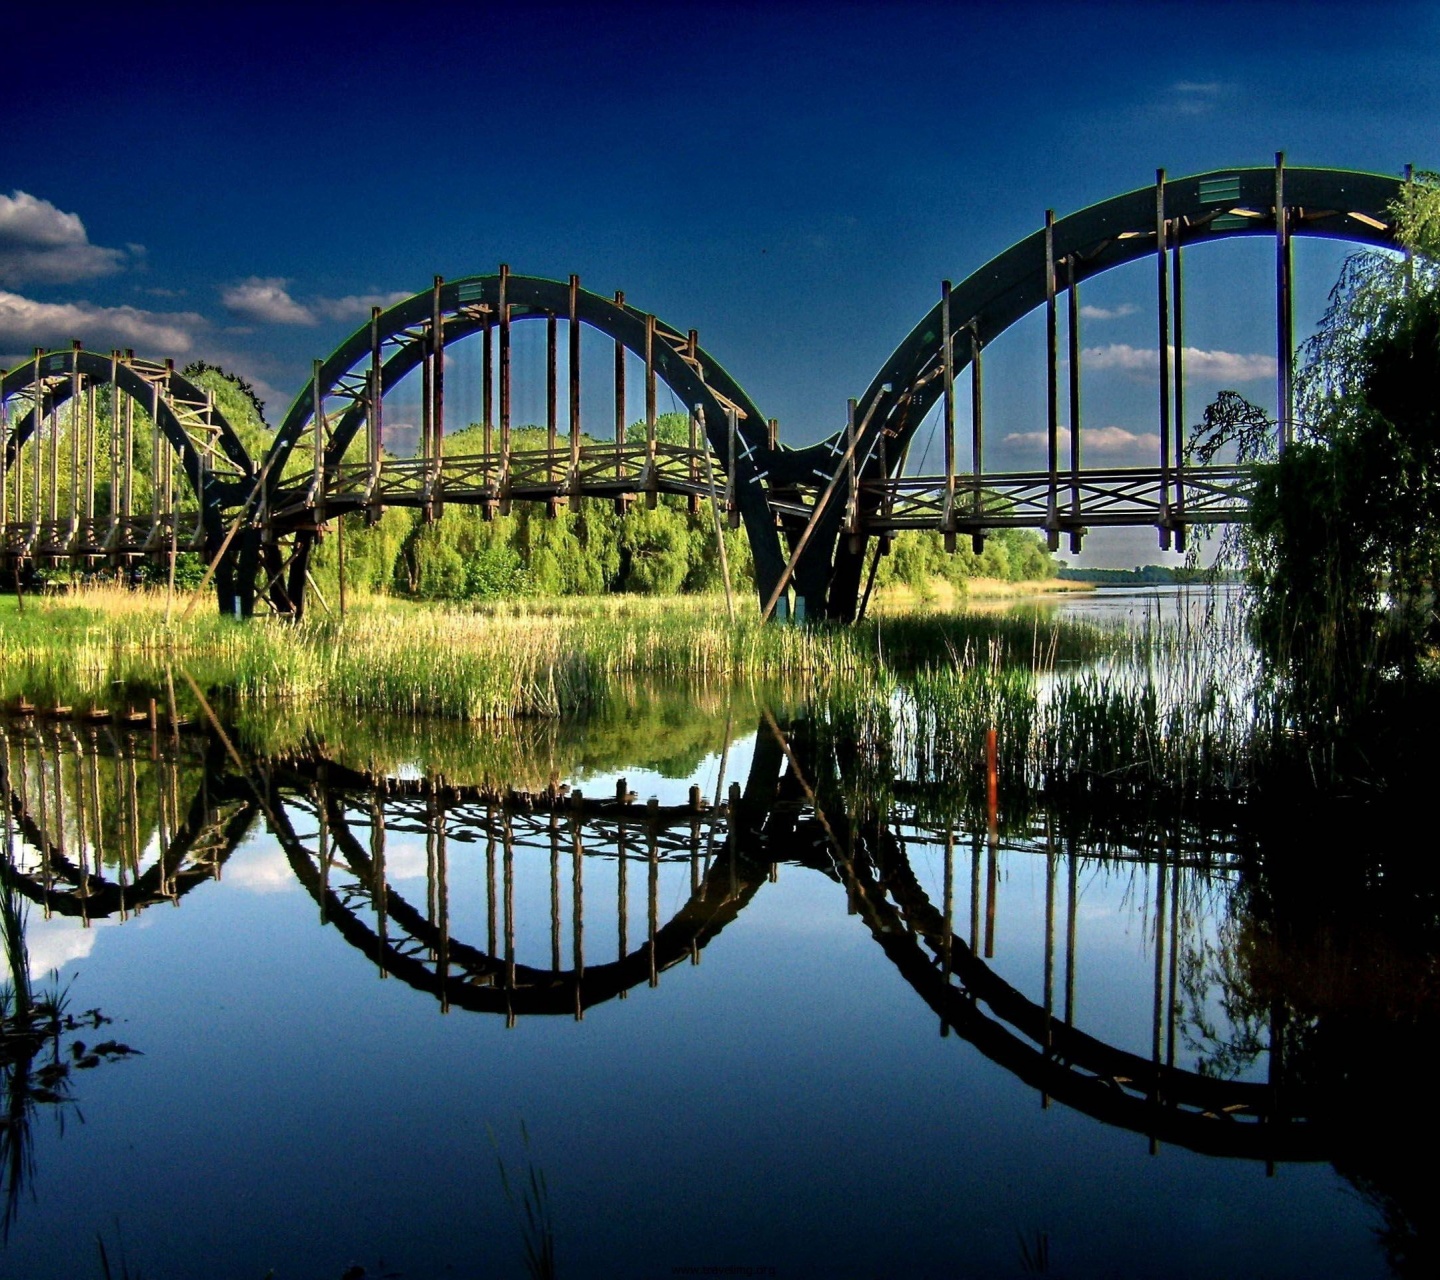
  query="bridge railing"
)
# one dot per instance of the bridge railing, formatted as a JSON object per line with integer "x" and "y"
{"x": 1115, "y": 498}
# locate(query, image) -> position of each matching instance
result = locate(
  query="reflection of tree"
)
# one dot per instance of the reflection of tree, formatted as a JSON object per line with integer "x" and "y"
{"x": 1334, "y": 941}
{"x": 39, "y": 1050}
{"x": 1207, "y": 967}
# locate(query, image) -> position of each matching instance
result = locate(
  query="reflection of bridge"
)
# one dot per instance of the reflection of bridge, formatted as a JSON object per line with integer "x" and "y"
{"x": 73, "y": 463}
{"x": 107, "y": 821}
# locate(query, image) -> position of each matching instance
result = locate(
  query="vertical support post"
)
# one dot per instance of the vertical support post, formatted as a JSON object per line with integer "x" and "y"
{"x": 127, "y": 457}
{"x": 114, "y": 436}
{"x": 1162, "y": 280}
{"x": 551, "y": 392}
{"x": 155, "y": 463}
{"x": 318, "y": 422}
{"x": 947, "y": 360}
{"x": 377, "y": 393}
{"x": 36, "y": 441}
{"x": 733, "y": 424}
{"x": 619, "y": 398}
{"x": 437, "y": 386}
{"x": 1284, "y": 324}
{"x": 487, "y": 393}
{"x": 1178, "y": 305}
{"x": 574, "y": 339}
{"x": 504, "y": 380}
{"x": 76, "y": 405}
{"x": 1073, "y": 334}
{"x": 852, "y": 489}
{"x": 650, "y": 399}
{"x": 91, "y": 440}
{"x": 977, "y": 434}
{"x": 1052, "y": 391}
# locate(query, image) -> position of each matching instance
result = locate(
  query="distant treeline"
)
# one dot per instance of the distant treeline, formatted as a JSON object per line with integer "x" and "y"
{"x": 1147, "y": 575}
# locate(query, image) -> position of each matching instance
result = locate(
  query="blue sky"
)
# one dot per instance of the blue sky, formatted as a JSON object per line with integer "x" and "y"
{"x": 791, "y": 180}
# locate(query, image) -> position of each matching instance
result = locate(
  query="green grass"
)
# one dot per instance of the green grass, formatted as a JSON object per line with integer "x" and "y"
{"x": 112, "y": 649}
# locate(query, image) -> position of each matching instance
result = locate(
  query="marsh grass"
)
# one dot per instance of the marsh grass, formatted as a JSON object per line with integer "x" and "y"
{"x": 110, "y": 649}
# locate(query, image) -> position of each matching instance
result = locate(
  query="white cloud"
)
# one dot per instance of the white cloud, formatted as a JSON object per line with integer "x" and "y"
{"x": 356, "y": 306}
{"x": 261, "y": 871}
{"x": 265, "y": 299}
{"x": 1219, "y": 366}
{"x": 40, "y": 244}
{"x": 1108, "y": 440}
{"x": 25, "y": 323}
{"x": 1107, "y": 313}
{"x": 58, "y": 941}
{"x": 1197, "y": 97}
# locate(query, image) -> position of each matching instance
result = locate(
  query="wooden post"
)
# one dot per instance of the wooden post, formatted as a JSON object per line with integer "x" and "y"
{"x": 504, "y": 305}
{"x": 1284, "y": 323}
{"x": 376, "y": 391}
{"x": 947, "y": 360}
{"x": 1052, "y": 391}
{"x": 487, "y": 420}
{"x": 977, "y": 435}
{"x": 574, "y": 339}
{"x": 732, "y": 422}
{"x": 1163, "y": 312}
{"x": 551, "y": 392}
{"x": 1073, "y": 334}
{"x": 620, "y": 411}
{"x": 651, "y": 494}
{"x": 1178, "y": 511}
{"x": 698, "y": 416}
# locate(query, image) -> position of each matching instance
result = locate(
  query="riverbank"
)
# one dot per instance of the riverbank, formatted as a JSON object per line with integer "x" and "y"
{"x": 941, "y": 594}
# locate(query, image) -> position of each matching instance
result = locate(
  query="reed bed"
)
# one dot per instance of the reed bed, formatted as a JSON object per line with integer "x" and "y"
{"x": 104, "y": 648}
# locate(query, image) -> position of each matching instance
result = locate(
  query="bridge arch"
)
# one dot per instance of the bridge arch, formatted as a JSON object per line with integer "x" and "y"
{"x": 1156, "y": 222}
{"x": 415, "y": 945}
{"x": 55, "y": 518}
{"x": 350, "y": 385}
{"x": 53, "y": 787}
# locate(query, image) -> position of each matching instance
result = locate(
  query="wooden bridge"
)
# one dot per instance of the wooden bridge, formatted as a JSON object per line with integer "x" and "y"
{"x": 110, "y": 460}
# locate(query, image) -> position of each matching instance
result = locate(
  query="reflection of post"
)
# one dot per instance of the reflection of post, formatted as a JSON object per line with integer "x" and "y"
{"x": 377, "y": 884}
{"x": 509, "y": 856}
{"x": 1160, "y": 870}
{"x": 490, "y": 880}
{"x": 1174, "y": 961}
{"x": 1049, "y": 931}
{"x": 653, "y": 861}
{"x": 1070, "y": 906}
{"x": 992, "y": 814}
{"x": 622, "y": 887}
{"x": 554, "y": 891}
{"x": 577, "y": 923}
{"x": 975, "y": 892}
{"x": 442, "y": 896}
{"x": 949, "y": 899}
{"x": 733, "y": 833}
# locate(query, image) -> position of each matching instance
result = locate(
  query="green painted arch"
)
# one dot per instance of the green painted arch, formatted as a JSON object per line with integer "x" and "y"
{"x": 105, "y": 370}
{"x": 1335, "y": 204}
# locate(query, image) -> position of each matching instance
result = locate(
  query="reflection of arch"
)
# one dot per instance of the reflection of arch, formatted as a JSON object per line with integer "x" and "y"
{"x": 211, "y": 456}
{"x": 1202, "y": 1113}
{"x": 195, "y": 847}
{"x": 414, "y": 334}
{"x": 489, "y": 979}
{"x": 1330, "y": 203}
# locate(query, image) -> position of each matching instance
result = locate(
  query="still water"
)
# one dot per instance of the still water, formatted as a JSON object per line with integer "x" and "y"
{"x": 742, "y": 1025}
